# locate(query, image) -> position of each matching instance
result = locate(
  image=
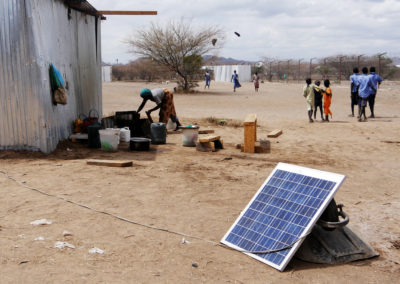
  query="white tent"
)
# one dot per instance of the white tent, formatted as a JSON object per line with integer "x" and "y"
{"x": 106, "y": 73}
{"x": 223, "y": 73}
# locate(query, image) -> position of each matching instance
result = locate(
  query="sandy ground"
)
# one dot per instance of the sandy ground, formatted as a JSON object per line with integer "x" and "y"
{"x": 198, "y": 193}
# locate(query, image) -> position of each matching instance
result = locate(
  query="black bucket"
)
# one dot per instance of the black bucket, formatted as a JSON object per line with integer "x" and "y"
{"x": 139, "y": 144}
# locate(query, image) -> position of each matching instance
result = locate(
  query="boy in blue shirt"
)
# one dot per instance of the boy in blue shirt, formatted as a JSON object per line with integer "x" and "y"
{"x": 376, "y": 80}
{"x": 364, "y": 91}
{"x": 354, "y": 89}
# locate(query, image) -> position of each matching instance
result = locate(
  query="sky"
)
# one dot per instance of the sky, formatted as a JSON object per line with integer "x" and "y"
{"x": 284, "y": 29}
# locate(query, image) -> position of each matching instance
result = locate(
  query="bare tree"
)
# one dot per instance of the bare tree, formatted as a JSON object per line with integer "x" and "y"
{"x": 169, "y": 45}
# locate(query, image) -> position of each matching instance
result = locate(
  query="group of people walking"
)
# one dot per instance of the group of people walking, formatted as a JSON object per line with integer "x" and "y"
{"x": 316, "y": 97}
{"x": 363, "y": 91}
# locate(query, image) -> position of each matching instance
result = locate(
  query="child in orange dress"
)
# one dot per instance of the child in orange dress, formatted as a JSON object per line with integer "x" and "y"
{"x": 327, "y": 100}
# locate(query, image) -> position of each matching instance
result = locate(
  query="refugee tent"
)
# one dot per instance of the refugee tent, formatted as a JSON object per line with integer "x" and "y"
{"x": 223, "y": 73}
{"x": 106, "y": 73}
{"x": 33, "y": 35}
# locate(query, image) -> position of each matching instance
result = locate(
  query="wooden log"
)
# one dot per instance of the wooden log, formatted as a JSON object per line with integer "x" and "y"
{"x": 275, "y": 133}
{"x": 207, "y": 131}
{"x": 79, "y": 136}
{"x": 127, "y": 12}
{"x": 110, "y": 163}
{"x": 209, "y": 138}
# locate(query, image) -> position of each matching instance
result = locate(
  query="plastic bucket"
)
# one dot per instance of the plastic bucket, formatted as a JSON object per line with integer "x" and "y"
{"x": 109, "y": 139}
{"x": 125, "y": 134}
{"x": 190, "y": 135}
{"x": 170, "y": 124}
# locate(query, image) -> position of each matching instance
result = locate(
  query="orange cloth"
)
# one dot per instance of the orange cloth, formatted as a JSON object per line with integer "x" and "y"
{"x": 327, "y": 101}
{"x": 167, "y": 109}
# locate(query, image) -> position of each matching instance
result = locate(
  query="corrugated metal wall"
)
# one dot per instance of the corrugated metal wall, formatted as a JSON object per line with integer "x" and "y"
{"x": 33, "y": 34}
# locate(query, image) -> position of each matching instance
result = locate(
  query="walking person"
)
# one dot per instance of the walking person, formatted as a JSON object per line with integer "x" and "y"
{"x": 308, "y": 93}
{"x": 207, "y": 78}
{"x": 376, "y": 81}
{"x": 364, "y": 91}
{"x": 317, "y": 99}
{"x": 235, "y": 80}
{"x": 256, "y": 80}
{"x": 354, "y": 89}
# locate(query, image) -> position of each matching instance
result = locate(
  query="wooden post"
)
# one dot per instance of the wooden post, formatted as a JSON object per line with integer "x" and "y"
{"x": 250, "y": 133}
{"x": 137, "y": 13}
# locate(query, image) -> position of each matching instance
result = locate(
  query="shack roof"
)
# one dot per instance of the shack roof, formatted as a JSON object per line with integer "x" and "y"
{"x": 82, "y": 6}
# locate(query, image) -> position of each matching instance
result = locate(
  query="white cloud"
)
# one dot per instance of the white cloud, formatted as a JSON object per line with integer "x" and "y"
{"x": 281, "y": 29}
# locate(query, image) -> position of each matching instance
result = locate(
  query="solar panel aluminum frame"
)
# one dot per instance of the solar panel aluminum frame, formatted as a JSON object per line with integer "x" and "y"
{"x": 336, "y": 178}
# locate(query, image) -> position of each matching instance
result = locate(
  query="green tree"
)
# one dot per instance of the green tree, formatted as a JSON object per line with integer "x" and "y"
{"x": 177, "y": 46}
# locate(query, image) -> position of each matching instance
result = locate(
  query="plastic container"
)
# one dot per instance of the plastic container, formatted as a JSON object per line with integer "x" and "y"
{"x": 126, "y": 118}
{"x": 139, "y": 144}
{"x": 189, "y": 135}
{"x": 109, "y": 139}
{"x": 125, "y": 134}
{"x": 158, "y": 133}
{"x": 171, "y": 125}
{"x": 93, "y": 135}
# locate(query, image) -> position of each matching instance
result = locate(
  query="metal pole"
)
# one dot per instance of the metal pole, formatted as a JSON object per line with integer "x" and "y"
{"x": 340, "y": 69}
{"x": 379, "y": 62}
{"x": 278, "y": 71}
{"x": 358, "y": 61}
{"x": 311, "y": 59}
{"x": 270, "y": 71}
{"x": 287, "y": 73}
{"x": 298, "y": 78}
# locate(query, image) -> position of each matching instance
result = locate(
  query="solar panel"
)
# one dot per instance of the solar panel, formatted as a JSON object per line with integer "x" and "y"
{"x": 281, "y": 214}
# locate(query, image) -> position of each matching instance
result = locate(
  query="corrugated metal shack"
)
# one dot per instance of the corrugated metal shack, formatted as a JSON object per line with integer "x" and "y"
{"x": 34, "y": 34}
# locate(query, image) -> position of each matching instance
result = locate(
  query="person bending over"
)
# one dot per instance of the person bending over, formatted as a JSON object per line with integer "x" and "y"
{"x": 164, "y": 100}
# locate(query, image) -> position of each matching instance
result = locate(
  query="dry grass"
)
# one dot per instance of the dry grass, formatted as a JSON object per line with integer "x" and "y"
{"x": 224, "y": 122}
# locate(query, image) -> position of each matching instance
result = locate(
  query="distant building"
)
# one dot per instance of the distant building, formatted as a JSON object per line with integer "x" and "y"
{"x": 223, "y": 73}
{"x": 35, "y": 34}
{"x": 106, "y": 71}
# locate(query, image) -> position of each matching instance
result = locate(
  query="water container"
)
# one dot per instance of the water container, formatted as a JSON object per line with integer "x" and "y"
{"x": 189, "y": 135}
{"x": 125, "y": 134}
{"x": 109, "y": 139}
{"x": 158, "y": 133}
{"x": 171, "y": 125}
{"x": 93, "y": 135}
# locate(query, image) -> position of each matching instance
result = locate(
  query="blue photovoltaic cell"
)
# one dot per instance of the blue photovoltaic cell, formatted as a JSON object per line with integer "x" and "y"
{"x": 279, "y": 214}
